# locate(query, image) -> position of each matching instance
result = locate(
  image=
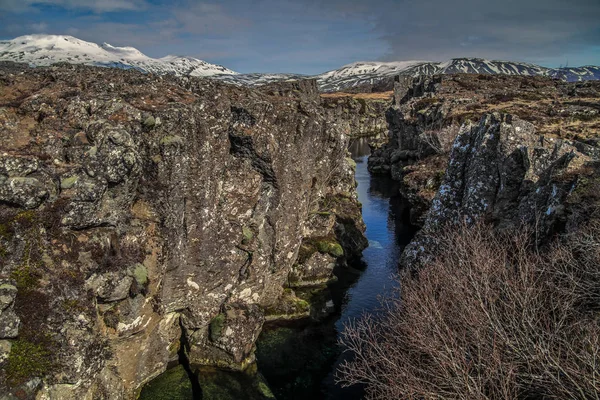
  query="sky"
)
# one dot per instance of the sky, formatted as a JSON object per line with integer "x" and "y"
{"x": 313, "y": 36}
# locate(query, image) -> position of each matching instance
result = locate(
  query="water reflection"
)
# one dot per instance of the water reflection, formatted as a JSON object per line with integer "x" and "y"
{"x": 385, "y": 214}
{"x": 299, "y": 362}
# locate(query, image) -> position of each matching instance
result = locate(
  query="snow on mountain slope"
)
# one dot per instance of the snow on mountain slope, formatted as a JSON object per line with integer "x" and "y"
{"x": 481, "y": 66}
{"x": 42, "y": 50}
{"x": 361, "y": 73}
{"x": 257, "y": 79}
{"x": 371, "y": 73}
{"x": 586, "y": 73}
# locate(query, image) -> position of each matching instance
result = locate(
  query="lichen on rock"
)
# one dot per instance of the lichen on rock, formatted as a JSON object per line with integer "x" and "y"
{"x": 146, "y": 207}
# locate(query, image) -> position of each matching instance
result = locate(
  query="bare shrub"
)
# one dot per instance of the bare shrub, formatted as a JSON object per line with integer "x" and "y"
{"x": 489, "y": 319}
{"x": 441, "y": 139}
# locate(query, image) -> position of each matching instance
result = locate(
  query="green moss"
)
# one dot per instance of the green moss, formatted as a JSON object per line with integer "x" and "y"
{"x": 216, "y": 327}
{"x": 264, "y": 390}
{"x": 351, "y": 162}
{"x": 25, "y": 216}
{"x": 25, "y": 277}
{"x": 149, "y": 122}
{"x": 68, "y": 183}
{"x": 7, "y": 286}
{"x": 330, "y": 247}
{"x": 5, "y": 232}
{"x": 301, "y": 305}
{"x": 288, "y": 307}
{"x": 170, "y": 140}
{"x": 140, "y": 274}
{"x": 27, "y": 360}
{"x": 248, "y": 235}
{"x": 174, "y": 384}
{"x": 71, "y": 305}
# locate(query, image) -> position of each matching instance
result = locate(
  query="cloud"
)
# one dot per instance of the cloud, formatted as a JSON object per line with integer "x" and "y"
{"x": 208, "y": 19}
{"x": 98, "y": 6}
{"x": 311, "y": 36}
{"x": 513, "y": 29}
{"x": 39, "y": 27}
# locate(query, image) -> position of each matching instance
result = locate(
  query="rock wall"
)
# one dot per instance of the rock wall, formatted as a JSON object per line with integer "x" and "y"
{"x": 500, "y": 171}
{"x": 360, "y": 115}
{"x": 428, "y": 112}
{"x": 139, "y": 213}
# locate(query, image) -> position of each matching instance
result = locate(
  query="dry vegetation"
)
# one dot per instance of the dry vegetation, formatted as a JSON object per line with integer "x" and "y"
{"x": 366, "y": 96}
{"x": 491, "y": 318}
{"x": 440, "y": 139}
{"x": 556, "y": 108}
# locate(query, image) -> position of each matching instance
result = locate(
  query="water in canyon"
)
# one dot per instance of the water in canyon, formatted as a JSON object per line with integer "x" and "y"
{"x": 299, "y": 359}
{"x": 299, "y": 362}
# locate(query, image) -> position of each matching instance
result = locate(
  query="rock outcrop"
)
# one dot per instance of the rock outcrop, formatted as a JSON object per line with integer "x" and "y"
{"x": 140, "y": 213}
{"x": 500, "y": 171}
{"x": 428, "y": 112}
{"x": 360, "y": 114}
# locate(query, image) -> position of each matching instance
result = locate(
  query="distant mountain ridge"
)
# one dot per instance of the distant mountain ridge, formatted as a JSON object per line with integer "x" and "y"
{"x": 370, "y": 73}
{"x": 42, "y": 50}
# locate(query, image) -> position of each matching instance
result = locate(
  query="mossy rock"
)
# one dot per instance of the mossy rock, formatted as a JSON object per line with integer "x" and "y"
{"x": 351, "y": 163}
{"x": 264, "y": 389}
{"x": 174, "y": 384}
{"x": 25, "y": 217}
{"x": 25, "y": 277}
{"x": 140, "y": 274}
{"x": 248, "y": 235}
{"x": 27, "y": 360}
{"x": 149, "y": 122}
{"x": 6, "y": 232}
{"x": 332, "y": 248}
{"x": 111, "y": 319}
{"x": 171, "y": 140}
{"x": 218, "y": 384}
{"x": 216, "y": 327}
{"x": 68, "y": 182}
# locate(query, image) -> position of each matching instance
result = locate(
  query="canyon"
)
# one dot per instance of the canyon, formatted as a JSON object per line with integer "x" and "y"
{"x": 144, "y": 218}
{"x": 149, "y": 220}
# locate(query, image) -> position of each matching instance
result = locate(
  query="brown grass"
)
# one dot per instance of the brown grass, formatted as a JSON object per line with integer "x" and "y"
{"x": 490, "y": 318}
{"x": 366, "y": 96}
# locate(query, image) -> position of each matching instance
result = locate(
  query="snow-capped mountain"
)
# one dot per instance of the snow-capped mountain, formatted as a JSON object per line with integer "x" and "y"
{"x": 370, "y": 73}
{"x": 41, "y": 50}
{"x": 573, "y": 74}
{"x": 257, "y": 79}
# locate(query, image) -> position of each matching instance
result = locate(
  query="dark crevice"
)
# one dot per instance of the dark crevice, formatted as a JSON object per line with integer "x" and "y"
{"x": 184, "y": 347}
{"x": 243, "y": 146}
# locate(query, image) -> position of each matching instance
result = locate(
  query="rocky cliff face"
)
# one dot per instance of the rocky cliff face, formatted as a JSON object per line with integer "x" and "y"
{"x": 506, "y": 150}
{"x": 360, "y": 114}
{"x": 429, "y": 111}
{"x": 500, "y": 171}
{"x": 138, "y": 213}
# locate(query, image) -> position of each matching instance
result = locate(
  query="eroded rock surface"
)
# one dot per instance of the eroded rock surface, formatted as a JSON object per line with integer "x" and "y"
{"x": 360, "y": 114}
{"x": 135, "y": 209}
{"x": 428, "y": 112}
{"x": 502, "y": 172}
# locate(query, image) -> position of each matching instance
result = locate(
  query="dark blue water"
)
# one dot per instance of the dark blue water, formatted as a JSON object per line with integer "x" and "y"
{"x": 299, "y": 362}
{"x": 385, "y": 214}
{"x": 299, "y": 359}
